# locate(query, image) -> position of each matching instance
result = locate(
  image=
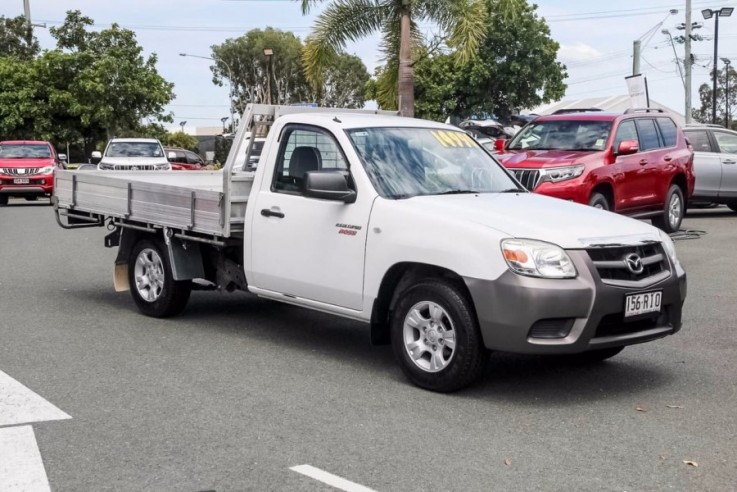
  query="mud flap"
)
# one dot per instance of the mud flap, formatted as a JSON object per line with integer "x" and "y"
{"x": 120, "y": 278}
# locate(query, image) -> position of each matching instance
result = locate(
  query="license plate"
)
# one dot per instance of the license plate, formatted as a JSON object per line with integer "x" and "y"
{"x": 21, "y": 181}
{"x": 636, "y": 304}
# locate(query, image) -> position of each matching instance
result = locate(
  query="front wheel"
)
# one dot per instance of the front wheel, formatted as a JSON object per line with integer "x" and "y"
{"x": 3, "y": 200}
{"x": 675, "y": 208}
{"x": 152, "y": 284}
{"x": 732, "y": 206}
{"x": 436, "y": 338}
{"x": 599, "y": 201}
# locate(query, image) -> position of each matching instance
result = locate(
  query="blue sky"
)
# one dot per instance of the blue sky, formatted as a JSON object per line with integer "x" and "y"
{"x": 595, "y": 37}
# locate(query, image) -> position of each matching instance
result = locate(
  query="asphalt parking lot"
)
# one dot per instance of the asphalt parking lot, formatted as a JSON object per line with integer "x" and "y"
{"x": 237, "y": 390}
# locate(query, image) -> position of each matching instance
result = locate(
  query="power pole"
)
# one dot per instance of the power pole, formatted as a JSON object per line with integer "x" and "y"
{"x": 636, "y": 57}
{"x": 687, "y": 61}
{"x": 27, "y": 12}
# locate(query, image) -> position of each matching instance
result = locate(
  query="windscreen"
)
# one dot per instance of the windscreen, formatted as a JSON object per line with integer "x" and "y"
{"x": 407, "y": 162}
{"x": 562, "y": 135}
{"x": 134, "y": 149}
{"x": 25, "y": 151}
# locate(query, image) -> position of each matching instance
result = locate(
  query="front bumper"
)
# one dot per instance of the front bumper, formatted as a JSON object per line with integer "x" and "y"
{"x": 522, "y": 314}
{"x": 36, "y": 186}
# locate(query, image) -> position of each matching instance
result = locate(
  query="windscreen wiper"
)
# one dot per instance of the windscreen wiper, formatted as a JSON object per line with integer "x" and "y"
{"x": 458, "y": 192}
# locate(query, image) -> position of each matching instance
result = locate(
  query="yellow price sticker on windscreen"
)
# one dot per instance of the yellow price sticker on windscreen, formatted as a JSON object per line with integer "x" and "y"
{"x": 452, "y": 139}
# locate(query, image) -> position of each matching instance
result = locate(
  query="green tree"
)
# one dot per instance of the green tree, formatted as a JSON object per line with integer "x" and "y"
{"x": 704, "y": 113}
{"x": 255, "y": 74}
{"x": 181, "y": 139}
{"x": 463, "y": 22}
{"x": 17, "y": 39}
{"x": 516, "y": 69}
{"x": 343, "y": 83}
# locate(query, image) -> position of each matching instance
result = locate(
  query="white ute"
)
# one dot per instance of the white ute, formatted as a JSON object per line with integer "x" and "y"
{"x": 405, "y": 224}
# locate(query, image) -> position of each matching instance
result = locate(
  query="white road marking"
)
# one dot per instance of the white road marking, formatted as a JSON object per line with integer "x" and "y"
{"x": 330, "y": 479}
{"x": 21, "y": 467}
{"x": 20, "y": 405}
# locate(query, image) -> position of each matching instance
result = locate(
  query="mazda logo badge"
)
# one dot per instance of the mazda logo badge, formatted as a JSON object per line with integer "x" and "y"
{"x": 634, "y": 263}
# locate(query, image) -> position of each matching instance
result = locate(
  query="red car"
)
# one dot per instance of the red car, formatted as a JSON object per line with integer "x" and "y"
{"x": 27, "y": 169}
{"x": 637, "y": 163}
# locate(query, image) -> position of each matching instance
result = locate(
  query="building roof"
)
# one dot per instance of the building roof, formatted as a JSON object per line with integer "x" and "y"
{"x": 611, "y": 104}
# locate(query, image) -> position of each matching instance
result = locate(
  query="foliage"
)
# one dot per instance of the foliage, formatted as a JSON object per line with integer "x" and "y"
{"x": 704, "y": 113}
{"x": 463, "y": 23}
{"x": 222, "y": 148}
{"x": 93, "y": 86}
{"x": 516, "y": 69}
{"x": 16, "y": 38}
{"x": 279, "y": 78}
{"x": 181, "y": 139}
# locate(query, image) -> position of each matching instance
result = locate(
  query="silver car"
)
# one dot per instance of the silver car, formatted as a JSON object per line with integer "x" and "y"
{"x": 133, "y": 154}
{"x": 715, "y": 164}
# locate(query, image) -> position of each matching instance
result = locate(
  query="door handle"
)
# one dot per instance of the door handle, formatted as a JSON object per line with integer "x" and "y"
{"x": 729, "y": 161}
{"x": 667, "y": 158}
{"x": 643, "y": 162}
{"x": 272, "y": 213}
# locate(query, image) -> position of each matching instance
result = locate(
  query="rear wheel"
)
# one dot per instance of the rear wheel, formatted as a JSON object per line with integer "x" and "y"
{"x": 599, "y": 201}
{"x": 673, "y": 212}
{"x": 436, "y": 338}
{"x": 152, "y": 284}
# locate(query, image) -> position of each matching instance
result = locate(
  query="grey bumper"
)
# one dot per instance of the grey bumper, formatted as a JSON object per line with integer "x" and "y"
{"x": 557, "y": 316}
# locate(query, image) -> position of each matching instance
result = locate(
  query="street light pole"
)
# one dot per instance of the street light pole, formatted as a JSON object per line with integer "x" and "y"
{"x": 181, "y": 126}
{"x": 708, "y": 14}
{"x": 678, "y": 63}
{"x": 268, "y": 52}
{"x": 727, "y": 63}
{"x": 230, "y": 81}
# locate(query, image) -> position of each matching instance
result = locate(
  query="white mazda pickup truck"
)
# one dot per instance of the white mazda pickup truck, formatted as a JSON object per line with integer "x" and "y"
{"x": 405, "y": 224}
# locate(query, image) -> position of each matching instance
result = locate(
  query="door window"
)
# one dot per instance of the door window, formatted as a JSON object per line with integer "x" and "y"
{"x": 626, "y": 131}
{"x": 699, "y": 141}
{"x": 727, "y": 142}
{"x": 305, "y": 149}
{"x": 668, "y": 130}
{"x": 648, "y": 134}
{"x": 193, "y": 158}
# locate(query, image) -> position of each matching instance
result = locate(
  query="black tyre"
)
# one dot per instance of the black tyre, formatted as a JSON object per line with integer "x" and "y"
{"x": 152, "y": 284}
{"x": 675, "y": 208}
{"x": 732, "y": 206}
{"x": 599, "y": 201}
{"x": 3, "y": 200}
{"x": 436, "y": 338}
{"x": 593, "y": 356}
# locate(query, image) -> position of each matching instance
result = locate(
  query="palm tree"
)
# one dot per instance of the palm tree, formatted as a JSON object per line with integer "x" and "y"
{"x": 464, "y": 23}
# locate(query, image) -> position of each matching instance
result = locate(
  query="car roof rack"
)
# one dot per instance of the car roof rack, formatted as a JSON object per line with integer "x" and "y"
{"x": 576, "y": 110}
{"x": 643, "y": 110}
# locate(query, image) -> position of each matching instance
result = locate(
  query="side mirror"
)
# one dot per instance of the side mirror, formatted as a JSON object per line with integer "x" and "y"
{"x": 172, "y": 156}
{"x": 96, "y": 155}
{"x": 62, "y": 157}
{"x": 628, "y": 147}
{"x": 328, "y": 185}
{"x": 500, "y": 144}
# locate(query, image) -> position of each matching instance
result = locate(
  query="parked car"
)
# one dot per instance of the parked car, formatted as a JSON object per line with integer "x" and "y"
{"x": 715, "y": 164}
{"x": 27, "y": 169}
{"x": 637, "y": 163}
{"x": 132, "y": 154}
{"x": 183, "y": 159}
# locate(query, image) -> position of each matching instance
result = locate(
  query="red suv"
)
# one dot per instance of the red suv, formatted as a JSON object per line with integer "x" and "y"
{"x": 637, "y": 163}
{"x": 27, "y": 169}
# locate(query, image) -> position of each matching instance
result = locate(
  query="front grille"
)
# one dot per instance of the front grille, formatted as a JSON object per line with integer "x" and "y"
{"x": 20, "y": 171}
{"x": 529, "y": 178}
{"x": 615, "y": 324}
{"x": 137, "y": 167}
{"x": 612, "y": 264}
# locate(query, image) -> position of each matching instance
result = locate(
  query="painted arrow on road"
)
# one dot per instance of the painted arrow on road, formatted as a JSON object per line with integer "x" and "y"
{"x": 21, "y": 466}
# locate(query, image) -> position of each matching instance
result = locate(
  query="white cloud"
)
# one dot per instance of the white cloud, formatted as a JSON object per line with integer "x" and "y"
{"x": 577, "y": 52}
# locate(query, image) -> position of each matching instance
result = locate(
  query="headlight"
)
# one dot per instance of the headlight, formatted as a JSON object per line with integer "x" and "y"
{"x": 556, "y": 174}
{"x": 669, "y": 246}
{"x": 104, "y": 166}
{"x": 46, "y": 170}
{"x": 537, "y": 259}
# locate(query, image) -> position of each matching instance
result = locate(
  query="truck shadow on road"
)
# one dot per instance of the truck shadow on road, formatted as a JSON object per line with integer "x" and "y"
{"x": 527, "y": 380}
